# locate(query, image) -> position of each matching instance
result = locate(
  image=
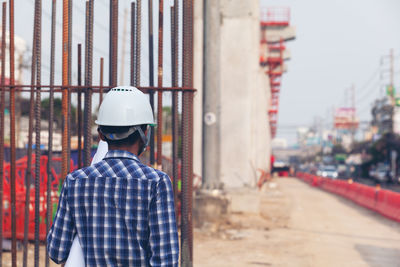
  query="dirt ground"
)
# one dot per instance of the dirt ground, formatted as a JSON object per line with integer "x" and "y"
{"x": 299, "y": 226}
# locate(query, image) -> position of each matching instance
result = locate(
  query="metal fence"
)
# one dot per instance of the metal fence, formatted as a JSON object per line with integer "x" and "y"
{"x": 29, "y": 186}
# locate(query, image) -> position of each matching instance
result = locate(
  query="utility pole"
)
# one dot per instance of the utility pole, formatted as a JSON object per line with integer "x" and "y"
{"x": 353, "y": 113}
{"x": 391, "y": 68}
{"x": 211, "y": 95}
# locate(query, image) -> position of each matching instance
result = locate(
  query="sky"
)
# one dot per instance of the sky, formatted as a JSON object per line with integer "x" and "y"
{"x": 338, "y": 44}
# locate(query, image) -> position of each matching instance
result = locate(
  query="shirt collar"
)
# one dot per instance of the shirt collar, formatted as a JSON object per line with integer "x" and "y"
{"x": 120, "y": 154}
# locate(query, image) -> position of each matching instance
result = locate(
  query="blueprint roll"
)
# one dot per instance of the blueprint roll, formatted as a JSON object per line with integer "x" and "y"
{"x": 76, "y": 257}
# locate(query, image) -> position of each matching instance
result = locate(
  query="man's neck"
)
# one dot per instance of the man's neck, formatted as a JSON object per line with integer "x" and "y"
{"x": 134, "y": 149}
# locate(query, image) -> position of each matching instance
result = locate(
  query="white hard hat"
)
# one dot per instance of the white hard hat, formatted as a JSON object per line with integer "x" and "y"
{"x": 125, "y": 106}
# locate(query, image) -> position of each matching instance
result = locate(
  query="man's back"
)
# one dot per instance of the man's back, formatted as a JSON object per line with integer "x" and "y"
{"x": 122, "y": 211}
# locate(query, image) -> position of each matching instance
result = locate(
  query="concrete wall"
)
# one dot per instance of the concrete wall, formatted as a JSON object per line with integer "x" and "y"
{"x": 245, "y": 134}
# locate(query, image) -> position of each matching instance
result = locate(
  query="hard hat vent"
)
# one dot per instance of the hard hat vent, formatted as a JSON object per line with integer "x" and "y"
{"x": 122, "y": 89}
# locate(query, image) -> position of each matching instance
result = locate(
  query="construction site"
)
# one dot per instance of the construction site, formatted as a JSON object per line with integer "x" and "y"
{"x": 214, "y": 73}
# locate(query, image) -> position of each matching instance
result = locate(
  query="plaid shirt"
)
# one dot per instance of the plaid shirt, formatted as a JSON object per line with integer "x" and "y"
{"x": 121, "y": 210}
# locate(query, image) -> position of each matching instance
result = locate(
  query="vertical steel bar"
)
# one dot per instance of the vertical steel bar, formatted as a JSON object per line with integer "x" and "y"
{"x": 88, "y": 83}
{"x": 132, "y": 54}
{"x": 64, "y": 153}
{"x": 151, "y": 76}
{"x": 79, "y": 106}
{"x": 12, "y": 138}
{"x": 160, "y": 82}
{"x": 51, "y": 118}
{"x": 187, "y": 138}
{"x": 175, "y": 83}
{"x": 28, "y": 177}
{"x": 69, "y": 81}
{"x": 101, "y": 79}
{"x": 2, "y": 107}
{"x": 138, "y": 42}
{"x": 38, "y": 18}
{"x": 113, "y": 42}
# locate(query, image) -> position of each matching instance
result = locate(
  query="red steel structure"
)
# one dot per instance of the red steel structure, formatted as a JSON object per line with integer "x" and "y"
{"x": 273, "y": 60}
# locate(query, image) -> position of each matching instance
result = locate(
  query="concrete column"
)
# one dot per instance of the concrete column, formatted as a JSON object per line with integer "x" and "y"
{"x": 211, "y": 95}
{"x": 198, "y": 84}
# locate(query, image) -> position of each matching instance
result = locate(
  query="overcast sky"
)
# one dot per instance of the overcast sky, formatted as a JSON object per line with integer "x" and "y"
{"x": 338, "y": 43}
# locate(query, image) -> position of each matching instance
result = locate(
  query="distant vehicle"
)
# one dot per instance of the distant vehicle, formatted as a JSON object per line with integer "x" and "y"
{"x": 381, "y": 174}
{"x": 328, "y": 171}
{"x": 280, "y": 166}
{"x": 342, "y": 170}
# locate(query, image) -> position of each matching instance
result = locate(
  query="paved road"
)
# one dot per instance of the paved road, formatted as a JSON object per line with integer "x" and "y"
{"x": 304, "y": 226}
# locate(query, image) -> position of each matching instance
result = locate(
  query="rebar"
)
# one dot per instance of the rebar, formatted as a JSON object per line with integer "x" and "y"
{"x": 12, "y": 138}
{"x": 151, "y": 77}
{"x": 70, "y": 8}
{"x": 101, "y": 79}
{"x": 38, "y": 25}
{"x": 65, "y": 35}
{"x": 2, "y": 107}
{"x": 175, "y": 82}
{"x": 80, "y": 106}
{"x": 187, "y": 143}
{"x": 138, "y": 42}
{"x": 160, "y": 82}
{"x": 88, "y": 83}
{"x": 133, "y": 48}
{"x": 28, "y": 177}
{"x": 51, "y": 118}
{"x": 113, "y": 42}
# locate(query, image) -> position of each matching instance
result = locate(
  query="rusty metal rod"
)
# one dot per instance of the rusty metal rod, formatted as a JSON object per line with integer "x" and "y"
{"x": 138, "y": 42}
{"x": 79, "y": 106}
{"x": 151, "y": 78}
{"x": 28, "y": 176}
{"x": 96, "y": 88}
{"x": 132, "y": 52}
{"x": 12, "y": 138}
{"x": 88, "y": 83}
{"x": 70, "y": 8}
{"x": 160, "y": 82}
{"x": 38, "y": 25}
{"x": 101, "y": 79}
{"x": 113, "y": 43}
{"x": 187, "y": 138}
{"x": 51, "y": 118}
{"x": 65, "y": 75}
{"x": 2, "y": 107}
{"x": 175, "y": 82}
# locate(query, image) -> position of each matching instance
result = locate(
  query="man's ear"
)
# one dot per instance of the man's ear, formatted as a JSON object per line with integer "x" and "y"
{"x": 101, "y": 135}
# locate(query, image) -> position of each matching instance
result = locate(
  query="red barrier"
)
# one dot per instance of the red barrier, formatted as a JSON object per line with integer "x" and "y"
{"x": 384, "y": 202}
{"x": 21, "y": 169}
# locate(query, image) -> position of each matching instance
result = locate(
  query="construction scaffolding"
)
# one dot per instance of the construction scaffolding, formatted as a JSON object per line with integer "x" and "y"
{"x": 274, "y": 25}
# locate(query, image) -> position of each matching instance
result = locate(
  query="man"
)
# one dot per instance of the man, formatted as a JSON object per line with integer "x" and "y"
{"x": 121, "y": 210}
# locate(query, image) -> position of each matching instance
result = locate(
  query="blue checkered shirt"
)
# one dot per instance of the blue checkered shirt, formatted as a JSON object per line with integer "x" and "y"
{"x": 121, "y": 210}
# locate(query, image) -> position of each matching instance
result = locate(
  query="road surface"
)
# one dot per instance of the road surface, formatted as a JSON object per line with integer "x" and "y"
{"x": 300, "y": 226}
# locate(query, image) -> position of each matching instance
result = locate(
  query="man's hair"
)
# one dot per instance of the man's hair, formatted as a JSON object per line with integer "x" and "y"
{"x": 130, "y": 140}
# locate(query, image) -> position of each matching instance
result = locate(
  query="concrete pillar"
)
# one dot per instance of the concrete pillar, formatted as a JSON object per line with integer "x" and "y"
{"x": 211, "y": 95}
{"x": 198, "y": 84}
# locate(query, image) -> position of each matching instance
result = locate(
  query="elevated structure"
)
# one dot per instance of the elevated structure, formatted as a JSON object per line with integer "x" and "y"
{"x": 275, "y": 31}
{"x": 231, "y": 127}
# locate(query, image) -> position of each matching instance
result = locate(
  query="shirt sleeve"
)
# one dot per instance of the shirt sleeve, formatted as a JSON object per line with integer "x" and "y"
{"x": 62, "y": 232}
{"x": 164, "y": 244}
